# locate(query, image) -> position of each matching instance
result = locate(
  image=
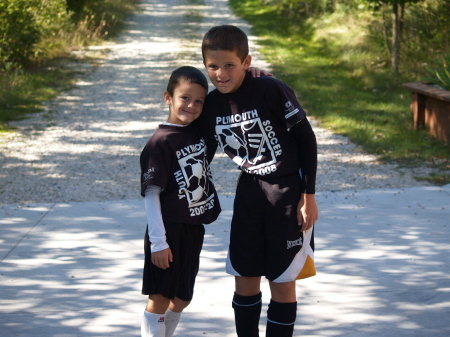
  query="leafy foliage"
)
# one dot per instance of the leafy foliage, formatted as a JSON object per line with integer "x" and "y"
{"x": 19, "y": 31}
{"x": 426, "y": 32}
{"x": 439, "y": 72}
{"x": 296, "y": 9}
{"x": 36, "y": 30}
{"x": 23, "y": 24}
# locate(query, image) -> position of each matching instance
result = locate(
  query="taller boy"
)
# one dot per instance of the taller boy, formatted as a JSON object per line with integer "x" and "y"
{"x": 262, "y": 127}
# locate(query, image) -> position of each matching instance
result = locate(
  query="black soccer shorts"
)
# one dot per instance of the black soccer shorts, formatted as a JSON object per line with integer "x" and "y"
{"x": 265, "y": 238}
{"x": 185, "y": 242}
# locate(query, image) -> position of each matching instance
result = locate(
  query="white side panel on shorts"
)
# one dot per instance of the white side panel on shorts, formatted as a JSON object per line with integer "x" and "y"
{"x": 291, "y": 273}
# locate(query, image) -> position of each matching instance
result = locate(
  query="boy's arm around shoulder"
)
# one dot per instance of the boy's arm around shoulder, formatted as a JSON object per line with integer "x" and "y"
{"x": 203, "y": 126}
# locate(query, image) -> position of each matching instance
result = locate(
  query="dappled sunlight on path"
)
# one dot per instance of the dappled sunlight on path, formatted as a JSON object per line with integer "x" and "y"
{"x": 75, "y": 269}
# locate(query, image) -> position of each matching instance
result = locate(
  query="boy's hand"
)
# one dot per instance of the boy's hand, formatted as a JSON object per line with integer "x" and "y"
{"x": 162, "y": 258}
{"x": 307, "y": 211}
{"x": 256, "y": 72}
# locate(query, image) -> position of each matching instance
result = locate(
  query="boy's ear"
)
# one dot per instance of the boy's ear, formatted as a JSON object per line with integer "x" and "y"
{"x": 167, "y": 98}
{"x": 247, "y": 62}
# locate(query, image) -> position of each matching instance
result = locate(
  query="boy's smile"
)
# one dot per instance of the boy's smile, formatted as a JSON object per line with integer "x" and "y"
{"x": 186, "y": 104}
{"x": 225, "y": 69}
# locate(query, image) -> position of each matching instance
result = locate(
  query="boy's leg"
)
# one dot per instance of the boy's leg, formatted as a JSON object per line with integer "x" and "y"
{"x": 286, "y": 250}
{"x": 152, "y": 324}
{"x": 187, "y": 246}
{"x": 281, "y": 319}
{"x": 283, "y": 292}
{"x": 157, "y": 304}
{"x": 156, "y": 282}
{"x": 173, "y": 314}
{"x": 282, "y": 310}
{"x": 247, "y": 306}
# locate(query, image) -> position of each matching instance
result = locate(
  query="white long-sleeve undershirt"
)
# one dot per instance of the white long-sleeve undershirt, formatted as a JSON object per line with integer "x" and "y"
{"x": 156, "y": 230}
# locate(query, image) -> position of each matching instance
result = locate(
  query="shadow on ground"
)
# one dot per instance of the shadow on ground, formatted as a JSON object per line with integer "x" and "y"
{"x": 382, "y": 258}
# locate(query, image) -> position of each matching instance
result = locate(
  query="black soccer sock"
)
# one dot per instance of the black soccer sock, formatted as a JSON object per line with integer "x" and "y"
{"x": 280, "y": 319}
{"x": 247, "y": 310}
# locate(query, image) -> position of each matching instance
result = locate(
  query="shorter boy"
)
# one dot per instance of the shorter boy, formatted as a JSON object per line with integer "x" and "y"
{"x": 179, "y": 198}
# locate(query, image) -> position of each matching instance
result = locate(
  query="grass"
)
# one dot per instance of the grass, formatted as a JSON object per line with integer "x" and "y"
{"x": 345, "y": 84}
{"x": 23, "y": 92}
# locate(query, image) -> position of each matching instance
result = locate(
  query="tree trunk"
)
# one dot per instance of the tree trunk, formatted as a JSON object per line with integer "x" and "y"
{"x": 395, "y": 37}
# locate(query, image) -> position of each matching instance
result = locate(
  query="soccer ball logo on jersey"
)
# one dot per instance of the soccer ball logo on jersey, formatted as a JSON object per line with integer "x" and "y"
{"x": 194, "y": 173}
{"x": 193, "y": 178}
{"x": 250, "y": 143}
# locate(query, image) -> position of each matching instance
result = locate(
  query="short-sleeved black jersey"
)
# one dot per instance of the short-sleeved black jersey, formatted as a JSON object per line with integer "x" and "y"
{"x": 252, "y": 125}
{"x": 175, "y": 159}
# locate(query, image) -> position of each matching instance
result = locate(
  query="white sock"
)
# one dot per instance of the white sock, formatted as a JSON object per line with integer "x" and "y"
{"x": 171, "y": 321}
{"x": 152, "y": 325}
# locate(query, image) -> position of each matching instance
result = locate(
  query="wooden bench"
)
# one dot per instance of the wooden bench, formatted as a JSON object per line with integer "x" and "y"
{"x": 430, "y": 108}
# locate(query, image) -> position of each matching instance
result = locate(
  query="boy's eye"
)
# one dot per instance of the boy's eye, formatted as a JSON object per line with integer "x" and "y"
{"x": 229, "y": 65}
{"x": 199, "y": 101}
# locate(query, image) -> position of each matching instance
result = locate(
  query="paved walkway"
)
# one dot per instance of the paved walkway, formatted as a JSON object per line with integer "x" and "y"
{"x": 383, "y": 261}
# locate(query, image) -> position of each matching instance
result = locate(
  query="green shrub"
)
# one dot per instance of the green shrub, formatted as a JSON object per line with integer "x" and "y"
{"x": 32, "y": 31}
{"x": 19, "y": 32}
{"x": 76, "y": 7}
{"x": 426, "y": 33}
{"x": 56, "y": 29}
{"x": 24, "y": 24}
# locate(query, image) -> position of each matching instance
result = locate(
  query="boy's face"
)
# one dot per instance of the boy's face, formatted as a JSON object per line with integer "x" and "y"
{"x": 186, "y": 104}
{"x": 225, "y": 69}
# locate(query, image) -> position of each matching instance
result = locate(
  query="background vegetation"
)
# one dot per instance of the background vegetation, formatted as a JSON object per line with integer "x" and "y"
{"x": 337, "y": 55}
{"x": 35, "y": 35}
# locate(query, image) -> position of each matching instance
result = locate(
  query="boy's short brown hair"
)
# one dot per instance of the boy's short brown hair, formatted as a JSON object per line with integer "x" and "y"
{"x": 226, "y": 37}
{"x": 188, "y": 74}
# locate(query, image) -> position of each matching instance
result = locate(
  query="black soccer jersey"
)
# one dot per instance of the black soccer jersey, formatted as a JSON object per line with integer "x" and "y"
{"x": 175, "y": 159}
{"x": 252, "y": 125}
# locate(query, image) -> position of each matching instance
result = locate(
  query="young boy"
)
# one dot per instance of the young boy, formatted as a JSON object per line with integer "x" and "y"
{"x": 262, "y": 127}
{"x": 179, "y": 199}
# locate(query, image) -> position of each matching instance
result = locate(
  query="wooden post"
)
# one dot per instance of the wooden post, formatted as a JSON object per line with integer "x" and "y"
{"x": 418, "y": 105}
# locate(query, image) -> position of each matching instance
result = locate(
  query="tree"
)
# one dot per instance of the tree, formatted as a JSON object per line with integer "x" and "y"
{"x": 398, "y": 11}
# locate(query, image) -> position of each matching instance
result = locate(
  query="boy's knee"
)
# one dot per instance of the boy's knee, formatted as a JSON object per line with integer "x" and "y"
{"x": 283, "y": 292}
{"x": 178, "y": 305}
{"x": 248, "y": 286}
{"x": 157, "y": 304}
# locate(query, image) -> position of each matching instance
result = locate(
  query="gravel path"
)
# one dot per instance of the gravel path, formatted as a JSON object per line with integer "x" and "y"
{"x": 86, "y": 145}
